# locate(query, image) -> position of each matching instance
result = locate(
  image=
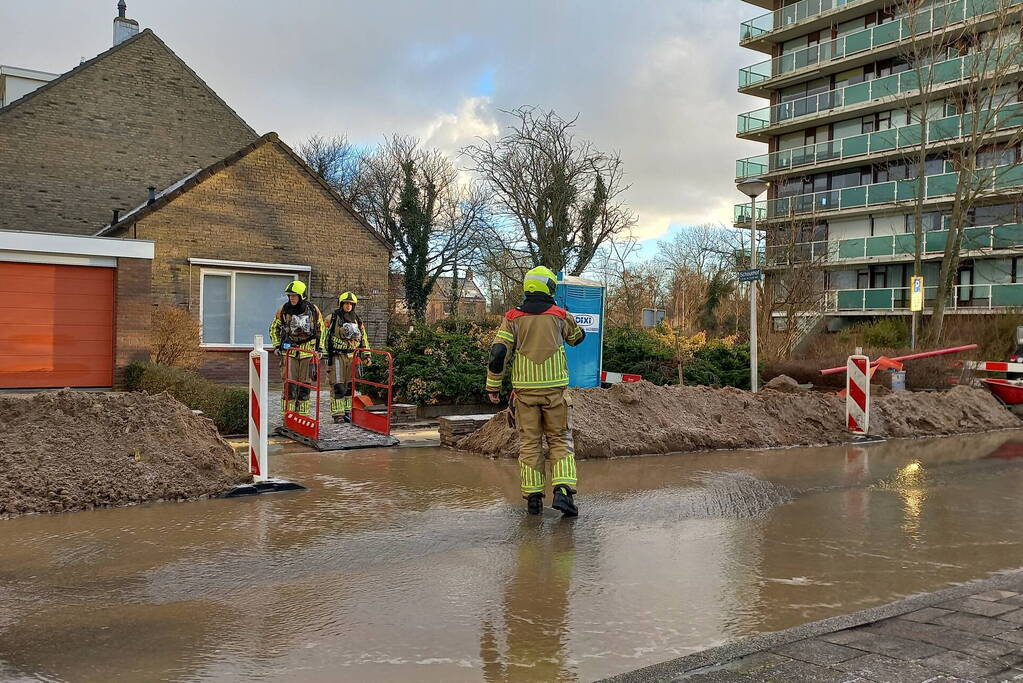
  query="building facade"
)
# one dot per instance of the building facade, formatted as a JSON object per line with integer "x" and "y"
{"x": 469, "y": 301}
{"x": 862, "y": 96}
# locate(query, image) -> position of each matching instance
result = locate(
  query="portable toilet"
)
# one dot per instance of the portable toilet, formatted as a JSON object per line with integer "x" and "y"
{"x": 584, "y": 300}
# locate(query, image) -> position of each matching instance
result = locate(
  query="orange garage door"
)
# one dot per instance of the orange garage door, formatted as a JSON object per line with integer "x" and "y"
{"x": 56, "y": 326}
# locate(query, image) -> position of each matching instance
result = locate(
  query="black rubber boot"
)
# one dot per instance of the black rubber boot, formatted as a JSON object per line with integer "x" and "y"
{"x": 563, "y": 501}
{"x": 534, "y": 503}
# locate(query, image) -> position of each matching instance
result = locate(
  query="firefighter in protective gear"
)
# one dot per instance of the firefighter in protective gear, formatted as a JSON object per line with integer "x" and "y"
{"x": 343, "y": 335}
{"x": 295, "y": 334}
{"x": 531, "y": 339}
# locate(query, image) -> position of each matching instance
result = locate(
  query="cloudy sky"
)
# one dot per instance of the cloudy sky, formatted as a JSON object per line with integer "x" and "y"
{"x": 653, "y": 79}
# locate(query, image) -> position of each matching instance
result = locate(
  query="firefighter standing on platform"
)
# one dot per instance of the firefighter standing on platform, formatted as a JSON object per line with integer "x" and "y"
{"x": 295, "y": 333}
{"x": 343, "y": 334}
{"x": 534, "y": 334}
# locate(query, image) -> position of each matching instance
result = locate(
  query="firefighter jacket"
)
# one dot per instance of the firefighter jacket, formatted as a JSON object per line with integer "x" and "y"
{"x": 343, "y": 333}
{"x": 299, "y": 326}
{"x": 533, "y": 336}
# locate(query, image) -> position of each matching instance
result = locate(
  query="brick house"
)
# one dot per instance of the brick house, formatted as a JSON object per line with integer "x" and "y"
{"x": 439, "y": 305}
{"x": 236, "y": 216}
{"x": 231, "y": 236}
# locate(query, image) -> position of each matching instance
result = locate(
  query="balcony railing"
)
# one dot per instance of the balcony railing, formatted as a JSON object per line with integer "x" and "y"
{"x": 787, "y": 16}
{"x": 947, "y": 71}
{"x": 931, "y": 19}
{"x": 861, "y": 196}
{"x": 860, "y": 249}
{"x": 1008, "y": 116}
{"x": 964, "y": 297}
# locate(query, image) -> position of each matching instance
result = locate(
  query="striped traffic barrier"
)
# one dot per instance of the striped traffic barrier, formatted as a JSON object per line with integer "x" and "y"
{"x": 258, "y": 393}
{"x": 857, "y": 394}
{"x": 993, "y": 366}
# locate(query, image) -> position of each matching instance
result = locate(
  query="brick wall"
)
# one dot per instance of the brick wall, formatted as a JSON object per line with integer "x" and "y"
{"x": 133, "y": 314}
{"x": 265, "y": 208}
{"x": 93, "y": 142}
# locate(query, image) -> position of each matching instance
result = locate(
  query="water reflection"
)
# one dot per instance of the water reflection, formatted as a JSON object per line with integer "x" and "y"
{"x": 420, "y": 564}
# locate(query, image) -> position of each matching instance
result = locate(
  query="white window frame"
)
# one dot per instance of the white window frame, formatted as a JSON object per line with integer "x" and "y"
{"x": 231, "y": 273}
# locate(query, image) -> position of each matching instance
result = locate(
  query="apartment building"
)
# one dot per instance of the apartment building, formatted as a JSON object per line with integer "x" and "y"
{"x": 862, "y": 96}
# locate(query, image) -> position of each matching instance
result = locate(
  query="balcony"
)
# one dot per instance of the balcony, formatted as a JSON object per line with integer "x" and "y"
{"x": 875, "y": 194}
{"x": 940, "y": 73}
{"x": 896, "y": 248}
{"x": 800, "y": 12}
{"x": 965, "y": 299}
{"x": 931, "y": 19}
{"x": 857, "y": 146}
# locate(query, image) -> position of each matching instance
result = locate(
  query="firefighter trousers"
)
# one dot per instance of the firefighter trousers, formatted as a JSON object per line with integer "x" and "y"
{"x": 296, "y": 398}
{"x": 543, "y": 413}
{"x": 341, "y": 376}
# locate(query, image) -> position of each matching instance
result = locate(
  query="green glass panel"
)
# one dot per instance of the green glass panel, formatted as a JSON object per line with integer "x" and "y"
{"x": 880, "y": 193}
{"x": 1008, "y": 236}
{"x": 977, "y": 7}
{"x": 853, "y": 196}
{"x": 909, "y": 135}
{"x": 853, "y": 248}
{"x": 943, "y": 129}
{"x": 905, "y": 244}
{"x": 857, "y": 42}
{"x": 884, "y": 87}
{"x": 935, "y": 241}
{"x": 1007, "y": 295}
{"x": 853, "y": 146}
{"x": 1010, "y": 116}
{"x": 881, "y": 246}
{"x": 948, "y": 71}
{"x": 855, "y": 94}
{"x": 908, "y": 80}
{"x": 941, "y": 185}
{"x": 907, "y": 190}
{"x": 1011, "y": 176}
{"x": 977, "y": 238}
{"x": 850, "y": 300}
{"x": 877, "y": 299}
{"x": 887, "y": 33}
{"x": 884, "y": 140}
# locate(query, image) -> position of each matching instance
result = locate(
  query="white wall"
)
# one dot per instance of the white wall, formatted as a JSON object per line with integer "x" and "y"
{"x": 16, "y": 83}
{"x": 848, "y": 228}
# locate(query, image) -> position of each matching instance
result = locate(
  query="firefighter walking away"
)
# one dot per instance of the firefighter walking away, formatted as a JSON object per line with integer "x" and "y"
{"x": 531, "y": 340}
{"x": 343, "y": 335}
{"x": 295, "y": 334}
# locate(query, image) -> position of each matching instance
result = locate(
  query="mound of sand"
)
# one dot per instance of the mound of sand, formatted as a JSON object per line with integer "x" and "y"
{"x": 643, "y": 419}
{"x": 72, "y": 450}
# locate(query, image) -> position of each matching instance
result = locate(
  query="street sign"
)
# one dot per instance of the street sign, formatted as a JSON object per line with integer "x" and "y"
{"x": 751, "y": 275}
{"x": 652, "y": 316}
{"x": 916, "y": 294}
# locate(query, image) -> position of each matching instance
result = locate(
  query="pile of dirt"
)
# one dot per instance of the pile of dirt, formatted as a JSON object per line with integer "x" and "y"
{"x": 643, "y": 419}
{"x": 72, "y": 450}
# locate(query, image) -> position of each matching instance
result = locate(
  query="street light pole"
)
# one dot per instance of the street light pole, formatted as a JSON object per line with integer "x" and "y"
{"x": 753, "y": 188}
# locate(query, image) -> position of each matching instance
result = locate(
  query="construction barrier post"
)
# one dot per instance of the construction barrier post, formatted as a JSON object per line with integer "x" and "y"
{"x": 258, "y": 400}
{"x": 857, "y": 394}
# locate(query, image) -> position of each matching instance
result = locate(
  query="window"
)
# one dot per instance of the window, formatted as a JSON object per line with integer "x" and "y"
{"x": 929, "y": 222}
{"x": 235, "y": 305}
{"x": 996, "y": 214}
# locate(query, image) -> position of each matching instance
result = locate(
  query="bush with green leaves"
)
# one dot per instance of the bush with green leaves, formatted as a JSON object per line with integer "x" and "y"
{"x": 227, "y": 407}
{"x": 643, "y": 352}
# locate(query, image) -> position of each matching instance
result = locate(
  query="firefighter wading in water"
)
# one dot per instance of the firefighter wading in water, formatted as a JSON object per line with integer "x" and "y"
{"x": 297, "y": 326}
{"x": 343, "y": 334}
{"x": 531, "y": 339}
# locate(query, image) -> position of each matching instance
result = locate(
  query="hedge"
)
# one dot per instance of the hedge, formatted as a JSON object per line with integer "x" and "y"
{"x": 227, "y": 407}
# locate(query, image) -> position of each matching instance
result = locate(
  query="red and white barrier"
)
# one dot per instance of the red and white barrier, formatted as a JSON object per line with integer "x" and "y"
{"x": 993, "y": 366}
{"x": 618, "y": 377}
{"x": 258, "y": 401}
{"x": 857, "y": 394}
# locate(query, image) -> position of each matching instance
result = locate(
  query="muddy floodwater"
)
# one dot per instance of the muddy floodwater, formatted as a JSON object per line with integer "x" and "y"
{"x": 420, "y": 564}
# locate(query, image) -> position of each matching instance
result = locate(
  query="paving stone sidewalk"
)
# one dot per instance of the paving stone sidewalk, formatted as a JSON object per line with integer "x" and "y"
{"x": 972, "y": 632}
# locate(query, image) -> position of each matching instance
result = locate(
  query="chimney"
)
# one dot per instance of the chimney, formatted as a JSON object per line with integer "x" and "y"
{"x": 117, "y": 217}
{"x": 152, "y": 195}
{"x": 124, "y": 28}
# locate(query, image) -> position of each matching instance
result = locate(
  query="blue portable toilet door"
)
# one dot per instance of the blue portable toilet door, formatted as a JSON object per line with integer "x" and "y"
{"x": 584, "y": 300}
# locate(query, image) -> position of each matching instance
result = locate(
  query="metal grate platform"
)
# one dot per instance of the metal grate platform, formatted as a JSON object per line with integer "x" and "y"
{"x": 333, "y": 437}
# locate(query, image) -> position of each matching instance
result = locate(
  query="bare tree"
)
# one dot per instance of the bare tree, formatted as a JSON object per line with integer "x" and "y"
{"x": 339, "y": 162}
{"x": 971, "y": 68}
{"x": 561, "y": 194}
{"x": 416, "y": 198}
